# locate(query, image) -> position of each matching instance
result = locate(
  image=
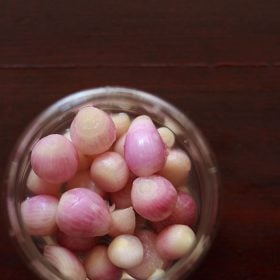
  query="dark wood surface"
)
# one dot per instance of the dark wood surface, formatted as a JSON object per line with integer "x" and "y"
{"x": 218, "y": 61}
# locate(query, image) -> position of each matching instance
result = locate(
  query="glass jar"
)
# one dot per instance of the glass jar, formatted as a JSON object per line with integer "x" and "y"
{"x": 57, "y": 118}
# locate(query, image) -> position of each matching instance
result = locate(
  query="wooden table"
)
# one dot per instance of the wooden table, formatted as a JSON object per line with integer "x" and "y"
{"x": 218, "y": 61}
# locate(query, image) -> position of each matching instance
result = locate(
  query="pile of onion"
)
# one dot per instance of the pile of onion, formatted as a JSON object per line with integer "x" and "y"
{"x": 111, "y": 193}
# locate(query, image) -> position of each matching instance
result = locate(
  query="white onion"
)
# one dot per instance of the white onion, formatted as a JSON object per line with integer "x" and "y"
{"x": 167, "y": 136}
{"x": 123, "y": 221}
{"x": 122, "y": 122}
{"x": 92, "y": 131}
{"x": 99, "y": 267}
{"x": 126, "y": 251}
{"x": 175, "y": 241}
{"x": 177, "y": 167}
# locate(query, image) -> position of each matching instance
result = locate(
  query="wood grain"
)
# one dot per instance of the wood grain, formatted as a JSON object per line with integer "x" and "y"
{"x": 218, "y": 62}
{"x": 87, "y": 33}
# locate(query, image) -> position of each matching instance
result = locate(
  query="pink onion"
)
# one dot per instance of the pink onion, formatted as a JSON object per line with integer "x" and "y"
{"x": 153, "y": 197}
{"x": 76, "y": 244}
{"x": 38, "y": 214}
{"x": 99, "y": 267}
{"x": 184, "y": 212}
{"x": 83, "y": 213}
{"x": 92, "y": 131}
{"x": 54, "y": 159}
{"x": 144, "y": 149}
{"x": 65, "y": 262}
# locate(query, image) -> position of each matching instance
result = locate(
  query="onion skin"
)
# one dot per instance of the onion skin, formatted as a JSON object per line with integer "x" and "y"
{"x": 144, "y": 150}
{"x": 38, "y": 214}
{"x": 99, "y": 267}
{"x": 54, "y": 159}
{"x": 83, "y": 213}
{"x": 153, "y": 197}
{"x": 65, "y": 262}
